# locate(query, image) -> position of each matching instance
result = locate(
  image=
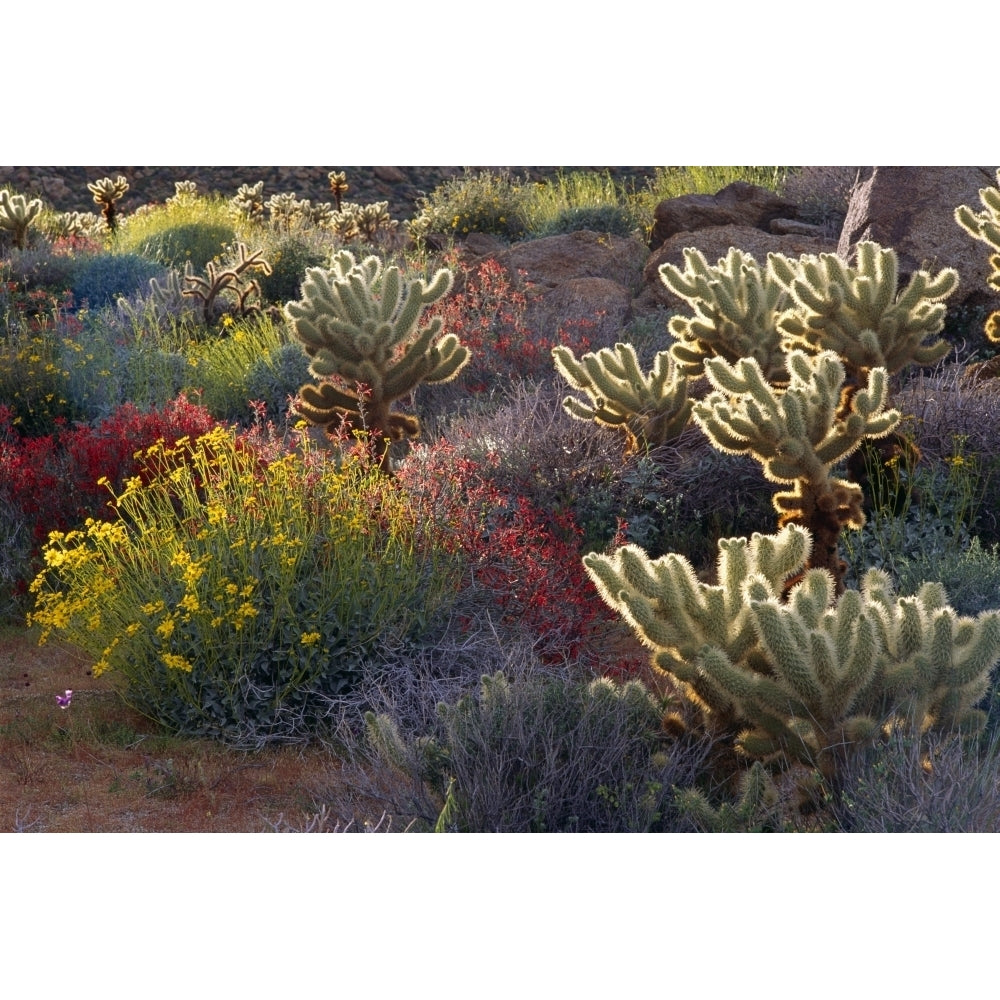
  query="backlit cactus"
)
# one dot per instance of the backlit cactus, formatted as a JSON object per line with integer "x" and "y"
{"x": 985, "y": 226}
{"x": 798, "y": 433}
{"x": 736, "y": 306}
{"x": 360, "y": 323}
{"x": 803, "y": 676}
{"x": 107, "y": 193}
{"x": 233, "y": 278}
{"x": 649, "y": 409}
{"x": 856, "y": 312}
{"x": 17, "y": 213}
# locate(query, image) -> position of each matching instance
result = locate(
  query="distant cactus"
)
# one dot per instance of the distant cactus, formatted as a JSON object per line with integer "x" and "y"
{"x": 17, "y": 214}
{"x": 649, "y": 409}
{"x": 183, "y": 191}
{"x": 360, "y": 325}
{"x": 107, "y": 193}
{"x": 285, "y": 210}
{"x": 248, "y": 201}
{"x": 338, "y": 185}
{"x": 985, "y": 226}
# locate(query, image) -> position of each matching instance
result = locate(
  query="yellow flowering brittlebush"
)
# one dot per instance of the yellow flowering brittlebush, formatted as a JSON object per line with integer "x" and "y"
{"x": 231, "y": 589}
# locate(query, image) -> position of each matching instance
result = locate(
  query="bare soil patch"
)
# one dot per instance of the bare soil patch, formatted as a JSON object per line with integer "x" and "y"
{"x": 100, "y": 767}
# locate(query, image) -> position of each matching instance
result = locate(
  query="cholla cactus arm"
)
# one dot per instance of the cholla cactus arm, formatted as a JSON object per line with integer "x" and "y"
{"x": 856, "y": 312}
{"x": 936, "y": 665}
{"x": 798, "y": 434}
{"x": 650, "y": 409}
{"x": 985, "y": 226}
{"x": 360, "y": 325}
{"x": 682, "y": 619}
{"x": 736, "y": 307}
{"x": 17, "y": 214}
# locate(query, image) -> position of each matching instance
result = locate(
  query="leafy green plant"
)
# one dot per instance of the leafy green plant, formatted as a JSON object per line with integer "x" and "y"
{"x": 235, "y": 597}
{"x": 195, "y": 243}
{"x": 580, "y": 200}
{"x": 484, "y": 202}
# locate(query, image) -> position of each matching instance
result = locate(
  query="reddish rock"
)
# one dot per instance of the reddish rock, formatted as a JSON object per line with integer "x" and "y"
{"x": 912, "y": 210}
{"x": 737, "y": 204}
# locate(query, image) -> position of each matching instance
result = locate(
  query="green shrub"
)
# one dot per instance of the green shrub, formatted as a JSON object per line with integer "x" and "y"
{"x": 100, "y": 280}
{"x": 272, "y": 380}
{"x": 219, "y": 368}
{"x": 34, "y": 384}
{"x": 236, "y": 597}
{"x": 197, "y": 242}
{"x": 580, "y": 200}
{"x": 484, "y": 202}
{"x": 289, "y": 256}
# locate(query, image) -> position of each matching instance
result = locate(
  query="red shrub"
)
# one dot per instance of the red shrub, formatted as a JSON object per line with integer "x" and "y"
{"x": 528, "y": 559}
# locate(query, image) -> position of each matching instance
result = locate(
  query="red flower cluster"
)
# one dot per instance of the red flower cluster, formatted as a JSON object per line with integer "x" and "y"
{"x": 52, "y": 481}
{"x": 528, "y": 559}
{"x": 487, "y": 314}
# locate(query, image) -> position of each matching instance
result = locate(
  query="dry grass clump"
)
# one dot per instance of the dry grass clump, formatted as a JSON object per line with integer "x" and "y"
{"x": 922, "y": 786}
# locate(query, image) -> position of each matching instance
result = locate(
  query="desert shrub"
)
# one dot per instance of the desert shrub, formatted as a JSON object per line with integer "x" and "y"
{"x": 34, "y": 384}
{"x": 483, "y": 202}
{"x": 541, "y": 752}
{"x": 197, "y": 242}
{"x": 235, "y": 596}
{"x": 615, "y": 219}
{"x": 580, "y": 200}
{"x": 104, "y": 277}
{"x": 289, "y": 256}
{"x": 906, "y": 785}
{"x": 672, "y": 182}
{"x": 51, "y": 482}
{"x": 487, "y": 314}
{"x": 219, "y": 367}
{"x": 273, "y": 379}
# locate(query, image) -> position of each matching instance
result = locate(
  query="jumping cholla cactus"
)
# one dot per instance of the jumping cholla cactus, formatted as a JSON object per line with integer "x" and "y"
{"x": 338, "y": 186}
{"x": 232, "y": 278}
{"x": 736, "y": 307}
{"x": 360, "y": 325}
{"x": 985, "y": 226}
{"x": 17, "y": 214}
{"x": 285, "y": 209}
{"x": 183, "y": 191}
{"x": 798, "y": 433}
{"x": 649, "y": 409}
{"x": 248, "y": 201}
{"x": 857, "y": 313}
{"x": 106, "y": 193}
{"x": 77, "y": 224}
{"x": 812, "y": 678}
